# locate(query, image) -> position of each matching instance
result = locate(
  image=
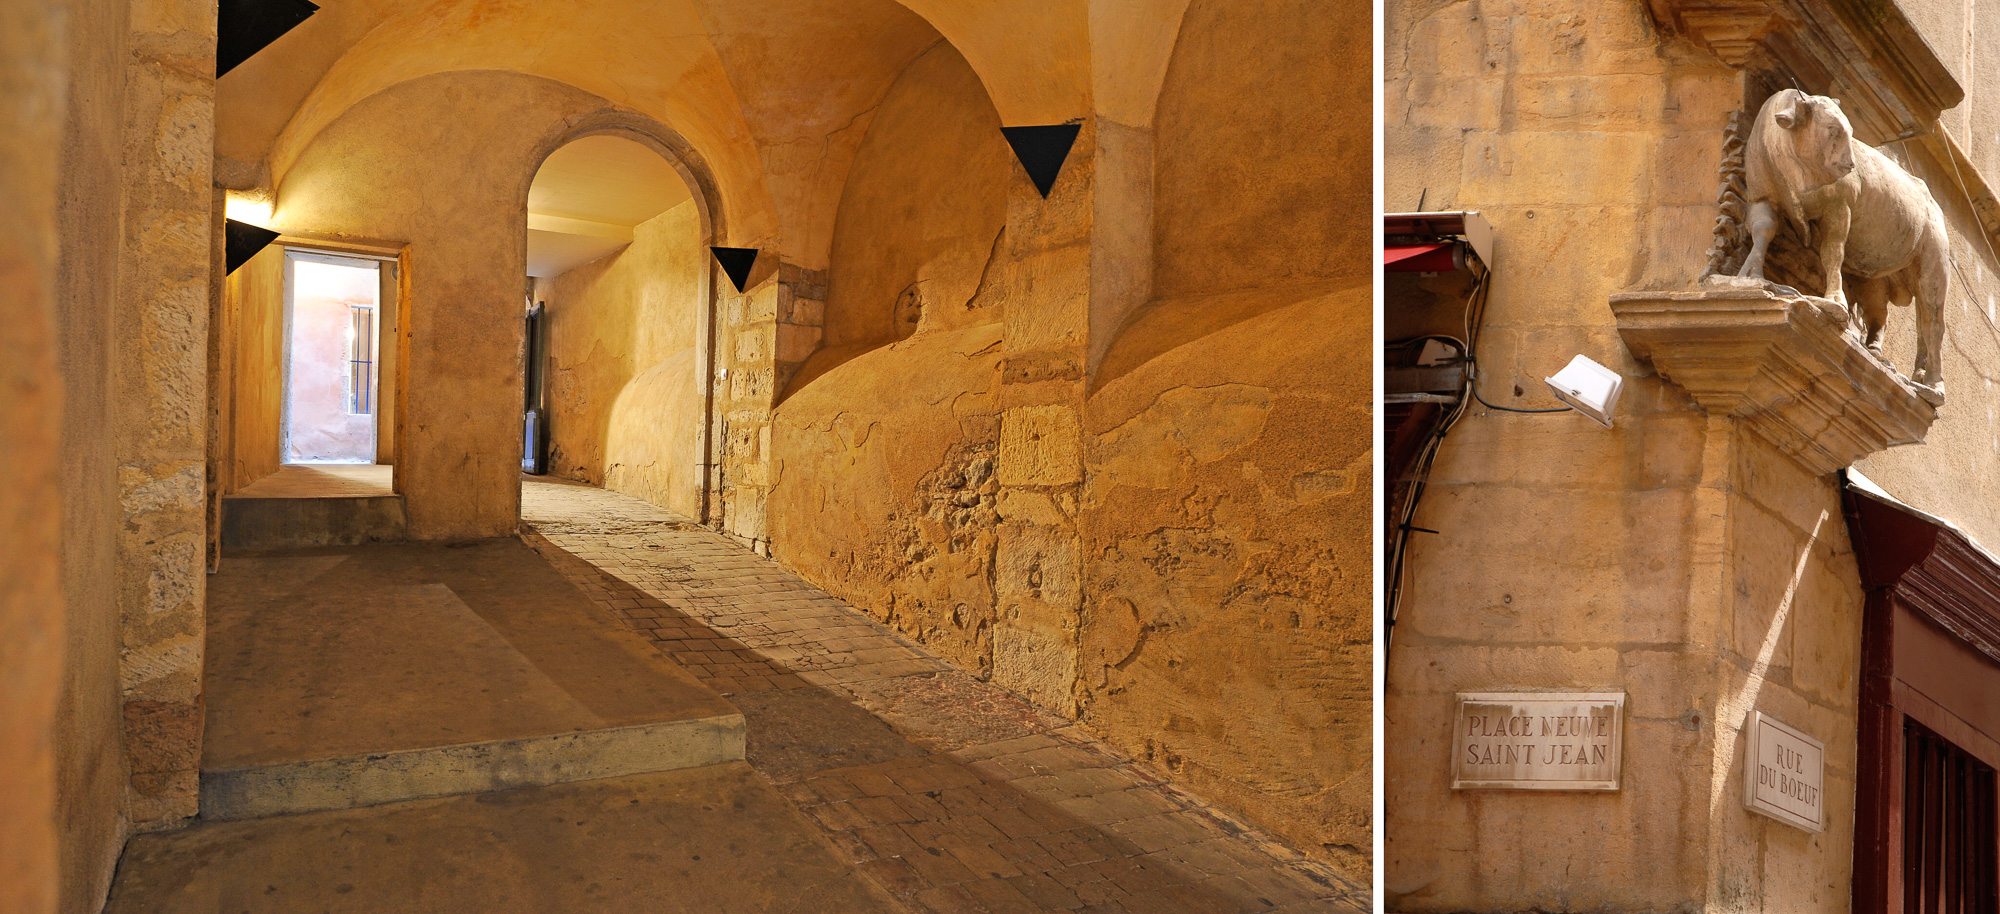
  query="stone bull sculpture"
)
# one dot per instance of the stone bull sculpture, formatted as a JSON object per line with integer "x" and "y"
{"x": 1868, "y": 218}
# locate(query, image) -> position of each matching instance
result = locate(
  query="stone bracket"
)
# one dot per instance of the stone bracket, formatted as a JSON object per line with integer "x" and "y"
{"x": 1783, "y": 365}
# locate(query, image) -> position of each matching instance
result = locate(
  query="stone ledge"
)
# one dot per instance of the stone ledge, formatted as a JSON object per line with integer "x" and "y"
{"x": 1783, "y": 365}
{"x": 285, "y": 788}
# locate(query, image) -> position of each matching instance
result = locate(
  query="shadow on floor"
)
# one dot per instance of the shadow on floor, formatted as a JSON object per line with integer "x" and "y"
{"x": 955, "y": 795}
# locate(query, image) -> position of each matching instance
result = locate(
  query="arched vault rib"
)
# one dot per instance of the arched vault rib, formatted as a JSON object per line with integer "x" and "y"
{"x": 650, "y": 56}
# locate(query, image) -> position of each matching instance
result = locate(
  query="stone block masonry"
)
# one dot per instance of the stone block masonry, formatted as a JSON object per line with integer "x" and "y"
{"x": 160, "y": 382}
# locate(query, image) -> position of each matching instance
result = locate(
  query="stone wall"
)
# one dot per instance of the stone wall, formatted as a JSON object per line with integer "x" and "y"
{"x": 1567, "y": 549}
{"x": 1176, "y": 553}
{"x": 625, "y": 411}
{"x": 254, "y": 308}
{"x": 1675, "y": 557}
{"x": 160, "y": 411}
{"x": 92, "y": 779}
{"x": 1955, "y": 473}
{"x": 34, "y": 75}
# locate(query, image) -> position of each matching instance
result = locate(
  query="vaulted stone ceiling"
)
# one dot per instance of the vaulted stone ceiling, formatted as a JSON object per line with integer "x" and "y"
{"x": 775, "y": 96}
{"x": 589, "y": 195}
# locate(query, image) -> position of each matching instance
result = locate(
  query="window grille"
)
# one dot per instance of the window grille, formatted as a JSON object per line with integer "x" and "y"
{"x": 1949, "y": 852}
{"x": 361, "y": 362}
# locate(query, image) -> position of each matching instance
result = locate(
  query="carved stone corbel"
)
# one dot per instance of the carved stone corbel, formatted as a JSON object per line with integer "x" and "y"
{"x": 1784, "y": 366}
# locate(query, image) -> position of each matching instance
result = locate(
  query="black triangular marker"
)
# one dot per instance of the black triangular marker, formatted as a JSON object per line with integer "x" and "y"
{"x": 1042, "y": 150}
{"x": 244, "y": 27}
{"x": 736, "y": 262}
{"x": 242, "y": 241}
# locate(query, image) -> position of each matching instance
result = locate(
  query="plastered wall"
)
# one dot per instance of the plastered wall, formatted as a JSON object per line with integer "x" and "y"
{"x": 1226, "y": 636}
{"x": 131, "y": 255}
{"x": 1228, "y": 465}
{"x": 92, "y": 768}
{"x": 254, "y": 300}
{"x": 625, "y": 411}
{"x": 883, "y": 455}
{"x": 1178, "y": 552}
{"x": 33, "y": 80}
{"x": 321, "y": 321}
{"x": 461, "y": 135}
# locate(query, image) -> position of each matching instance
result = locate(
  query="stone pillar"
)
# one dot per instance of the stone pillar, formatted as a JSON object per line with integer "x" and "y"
{"x": 801, "y": 320}
{"x": 768, "y": 333}
{"x": 160, "y": 382}
{"x": 1038, "y": 560}
{"x": 1773, "y": 609}
{"x": 745, "y": 345}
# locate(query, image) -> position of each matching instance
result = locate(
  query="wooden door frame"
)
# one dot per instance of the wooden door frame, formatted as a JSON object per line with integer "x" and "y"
{"x": 1915, "y": 570}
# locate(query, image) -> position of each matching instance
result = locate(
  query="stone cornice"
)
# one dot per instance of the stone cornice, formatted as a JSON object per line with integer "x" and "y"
{"x": 1865, "y": 52}
{"x": 1782, "y": 365}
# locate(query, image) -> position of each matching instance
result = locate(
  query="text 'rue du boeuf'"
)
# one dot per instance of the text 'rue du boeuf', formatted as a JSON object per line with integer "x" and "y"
{"x": 1786, "y": 777}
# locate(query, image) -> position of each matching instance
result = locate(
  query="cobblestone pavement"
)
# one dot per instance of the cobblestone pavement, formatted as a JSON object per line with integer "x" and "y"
{"x": 953, "y": 794}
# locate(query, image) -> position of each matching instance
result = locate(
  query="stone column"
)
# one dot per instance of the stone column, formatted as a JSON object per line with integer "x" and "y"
{"x": 801, "y": 318}
{"x": 768, "y": 333}
{"x": 160, "y": 330}
{"x": 1773, "y": 612}
{"x": 1038, "y": 560}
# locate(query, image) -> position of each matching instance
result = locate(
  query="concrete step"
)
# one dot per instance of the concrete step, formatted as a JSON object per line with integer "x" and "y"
{"x": 347, "y": 782}
{"x": 340, "y": 677}
{"x": 714, "y": 839}
{"x": 315, "y": 505}
{"x": 269, "y": 523}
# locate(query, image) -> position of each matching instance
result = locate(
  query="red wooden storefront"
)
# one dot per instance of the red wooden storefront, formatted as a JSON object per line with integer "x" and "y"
{"x": 1926, "y": 813}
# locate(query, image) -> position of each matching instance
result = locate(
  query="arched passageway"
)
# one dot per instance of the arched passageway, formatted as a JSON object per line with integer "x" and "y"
{"x": 620, "y": 320}
{"x": 1095, "y": 439}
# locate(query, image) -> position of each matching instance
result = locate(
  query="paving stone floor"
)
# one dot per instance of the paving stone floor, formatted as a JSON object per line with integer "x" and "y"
{"x": 951, "y": 793}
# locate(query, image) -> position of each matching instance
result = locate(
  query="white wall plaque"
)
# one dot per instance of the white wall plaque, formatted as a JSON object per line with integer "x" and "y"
{"x": 1537, "y": 740}
{"x": 1784, "y": 774}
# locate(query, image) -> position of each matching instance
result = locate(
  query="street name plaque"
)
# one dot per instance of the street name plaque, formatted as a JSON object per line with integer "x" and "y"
{"x": 1785, "y": 774}
{"x": 1537, "y": 740}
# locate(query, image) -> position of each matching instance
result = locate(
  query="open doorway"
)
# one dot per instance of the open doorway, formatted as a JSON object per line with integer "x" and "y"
{"x": 332, "y": 367}
{"x": 619, "y": 324}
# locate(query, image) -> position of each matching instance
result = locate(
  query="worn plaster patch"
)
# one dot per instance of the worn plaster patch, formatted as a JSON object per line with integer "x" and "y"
{"x": 176, "y": 569}
{"x": 1318, "y": 485}
{"x": 1186, "y": 425}
{"x": 142, "y": 492}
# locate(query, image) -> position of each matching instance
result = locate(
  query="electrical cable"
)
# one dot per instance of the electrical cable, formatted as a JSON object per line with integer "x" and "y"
{"x": 1420, "y": 467}
{"x": 1475, "y": 319}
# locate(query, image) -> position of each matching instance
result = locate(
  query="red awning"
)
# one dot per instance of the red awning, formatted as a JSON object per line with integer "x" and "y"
{"x": 1441, "y": 257}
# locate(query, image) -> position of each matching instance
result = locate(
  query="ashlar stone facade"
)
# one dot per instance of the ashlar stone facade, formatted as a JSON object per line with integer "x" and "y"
{"x": 1694, "y": 557}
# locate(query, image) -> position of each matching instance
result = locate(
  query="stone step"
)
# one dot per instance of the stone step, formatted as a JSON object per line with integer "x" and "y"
{"x": 340, "y": 677}
{"x": 274, "y": 523}
{"x": 314, "y": 785}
